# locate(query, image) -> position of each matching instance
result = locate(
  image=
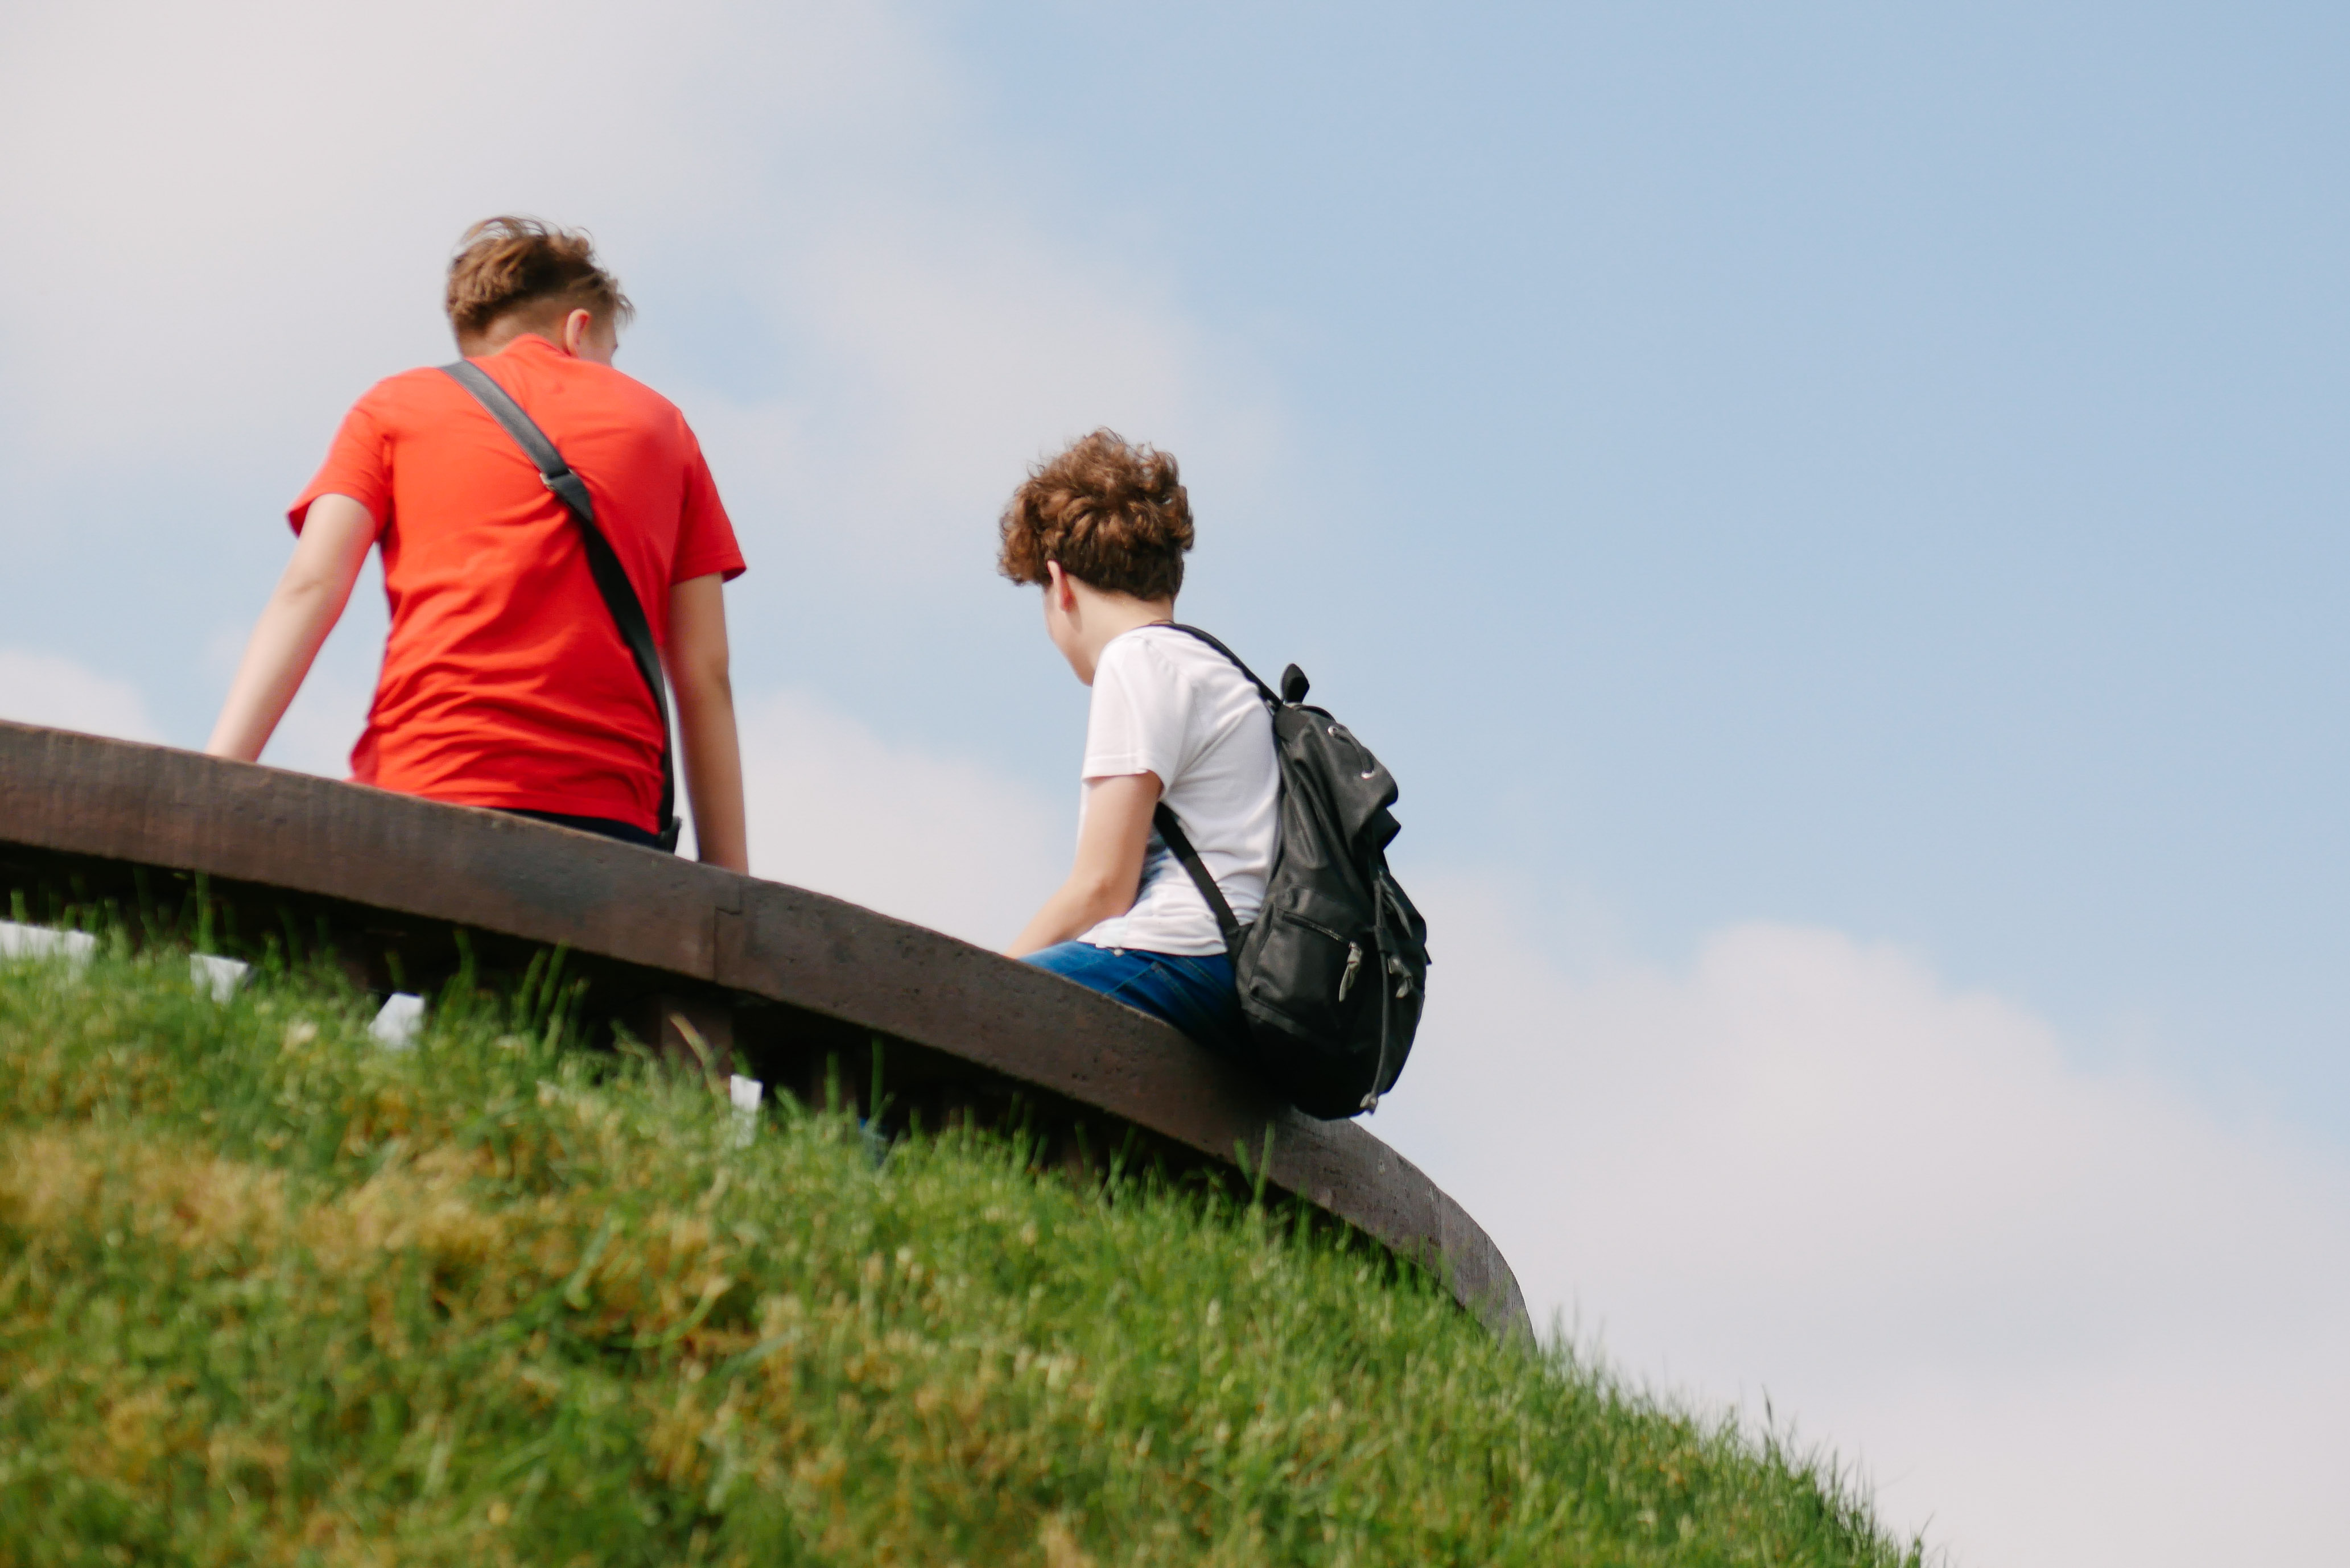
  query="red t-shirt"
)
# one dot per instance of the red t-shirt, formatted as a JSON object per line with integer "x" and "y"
{"x": 505, "y": 680}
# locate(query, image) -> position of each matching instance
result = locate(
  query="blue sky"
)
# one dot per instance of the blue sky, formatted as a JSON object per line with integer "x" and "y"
{"x": 1846, "y": 494}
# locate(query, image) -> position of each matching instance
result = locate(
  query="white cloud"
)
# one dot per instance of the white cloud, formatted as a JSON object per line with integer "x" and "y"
{"x": 933, "y": 839}
{"x": 801, "y": 176}
{"x": 273, "y": 187}
{"x": 318, "y": 730}
{"x": 250, "y": 201}
{"x": 328, "y": 713}
{"x": 43, "y": 689}
{"x": 944, "y": 348}
{"x": 2068, "y": 1316}
{"x": 2056, "y": 1315}
{"x": 254, "y": 201}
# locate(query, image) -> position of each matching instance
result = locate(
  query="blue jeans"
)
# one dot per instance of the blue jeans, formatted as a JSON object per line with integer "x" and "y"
{"x": 1195, "y": 994}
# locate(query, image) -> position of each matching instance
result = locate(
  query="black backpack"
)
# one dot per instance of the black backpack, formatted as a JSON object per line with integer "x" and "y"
{"x": 1334, "y": 969}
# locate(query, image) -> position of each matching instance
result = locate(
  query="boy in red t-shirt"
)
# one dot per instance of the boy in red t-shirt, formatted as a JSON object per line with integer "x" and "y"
{"x": 506, "y": 681}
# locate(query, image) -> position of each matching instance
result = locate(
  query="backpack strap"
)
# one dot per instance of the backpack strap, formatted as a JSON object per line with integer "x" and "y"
{"x": 1272, "y": 696}
{"x": 603, "y": 564}
{"x": 1179, "y": 844}
{"x": 1171, "y": 832}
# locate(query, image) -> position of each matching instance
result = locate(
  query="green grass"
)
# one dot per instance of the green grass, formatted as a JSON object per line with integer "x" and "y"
{"x": 269, "y": 1293}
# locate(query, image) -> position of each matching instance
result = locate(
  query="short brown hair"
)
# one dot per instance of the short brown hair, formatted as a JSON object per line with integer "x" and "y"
{"x": 504, "y": 265}
{"x": 1112, "y": 514}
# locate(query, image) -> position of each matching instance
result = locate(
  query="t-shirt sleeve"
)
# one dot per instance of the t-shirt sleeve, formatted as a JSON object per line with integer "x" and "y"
{"x": 706, "y": 534}
{"x": 1136, "y": 722}
{"x": 358, "y": 465}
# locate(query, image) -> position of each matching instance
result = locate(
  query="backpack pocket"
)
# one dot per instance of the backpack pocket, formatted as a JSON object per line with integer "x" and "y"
{"x": 1320, "y": 977}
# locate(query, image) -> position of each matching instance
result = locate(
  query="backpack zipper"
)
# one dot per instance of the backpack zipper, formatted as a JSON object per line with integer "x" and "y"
{"x": 1403, "y": 978}
{"x": 1354, "y": 964}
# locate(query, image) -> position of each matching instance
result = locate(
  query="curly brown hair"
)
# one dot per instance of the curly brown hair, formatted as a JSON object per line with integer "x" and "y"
{"x": 504, "y": 265}
{"x": 1112, "y": 514}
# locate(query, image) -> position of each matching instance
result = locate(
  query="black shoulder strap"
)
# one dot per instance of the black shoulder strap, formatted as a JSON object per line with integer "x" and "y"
{"x": 1179, "y": 844}
{"x": 611, "y": 578}
{"x": 1263, "y": 690}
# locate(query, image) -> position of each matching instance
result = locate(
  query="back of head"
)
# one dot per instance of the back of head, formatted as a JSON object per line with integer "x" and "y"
{"x": 520, "y": 267}
{"x": 1114, "y": 514}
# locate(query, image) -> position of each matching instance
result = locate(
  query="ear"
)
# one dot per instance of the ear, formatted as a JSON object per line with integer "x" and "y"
{"x": 1056, "y": 586}
{"x": 576, "y": 329}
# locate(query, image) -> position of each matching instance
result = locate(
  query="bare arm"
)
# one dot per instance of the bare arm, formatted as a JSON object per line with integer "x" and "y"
{"x": 705, "y": 720}
{"x": 1109, "y": 872}
{"x": 336, "y": 535}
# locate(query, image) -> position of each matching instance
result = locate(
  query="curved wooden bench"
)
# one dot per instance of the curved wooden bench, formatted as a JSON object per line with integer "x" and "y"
{"x": 803, "y": 985}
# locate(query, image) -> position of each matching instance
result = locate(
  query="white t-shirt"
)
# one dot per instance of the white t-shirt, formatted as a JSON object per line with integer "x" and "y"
{"x": 1167, "y": 704}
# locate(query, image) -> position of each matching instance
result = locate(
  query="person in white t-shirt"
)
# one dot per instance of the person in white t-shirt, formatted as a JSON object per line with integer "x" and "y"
{"x": 1102, "y": 529}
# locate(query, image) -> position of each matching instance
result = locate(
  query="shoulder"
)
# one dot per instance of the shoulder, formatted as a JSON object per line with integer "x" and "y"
{"x": 1181, "y": 657}
{"x": 425, "y": 386}
{"x": 1164, "y": 643}
{"x": 1150, "y": 653}
{"x": 623, "y": 403}
{"x": 1172, "y": 668}
{"x": 398, "y": 406}
{"x": 623, "y": 390}
{"x": 1133, "y": 675}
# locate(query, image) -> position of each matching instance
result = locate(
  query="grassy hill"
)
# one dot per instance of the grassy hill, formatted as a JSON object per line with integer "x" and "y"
{"x": 271, "y": 1293}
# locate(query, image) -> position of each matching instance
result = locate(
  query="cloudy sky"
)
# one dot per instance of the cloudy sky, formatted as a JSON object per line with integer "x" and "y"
{"x": 1833, "y": 512}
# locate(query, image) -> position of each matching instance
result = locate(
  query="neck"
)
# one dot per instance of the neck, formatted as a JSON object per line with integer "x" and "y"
{"x": 499, "y": 338}
{"x": 1130, "y": 613}
{"x": 1101, "y": 616}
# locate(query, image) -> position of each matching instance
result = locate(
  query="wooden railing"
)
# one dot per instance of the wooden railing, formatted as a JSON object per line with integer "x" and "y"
{"x": 818, "y": 995}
